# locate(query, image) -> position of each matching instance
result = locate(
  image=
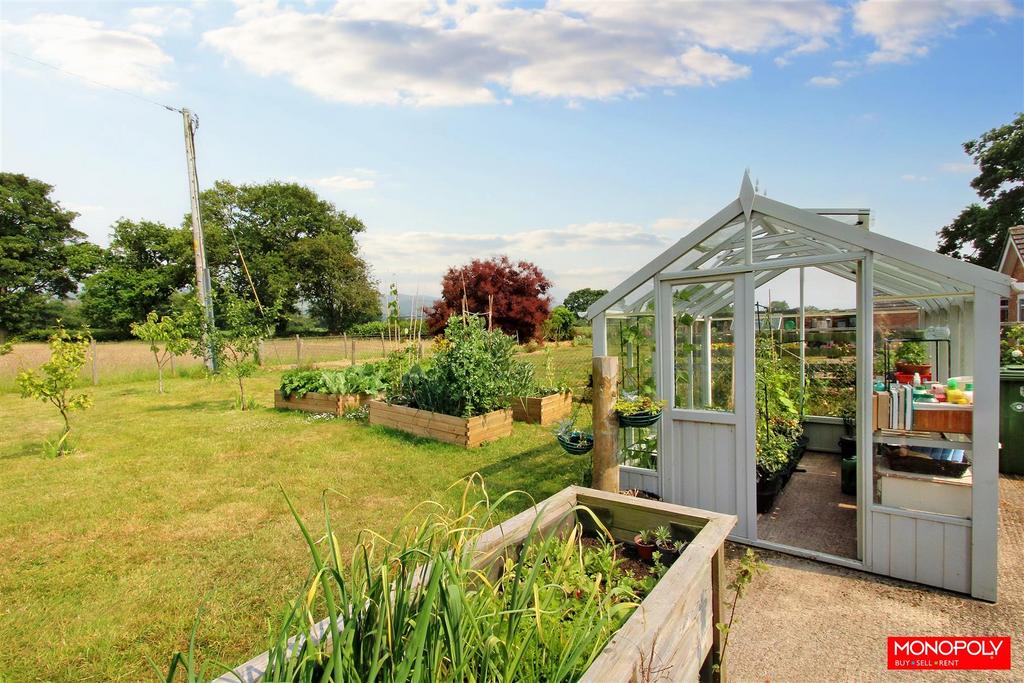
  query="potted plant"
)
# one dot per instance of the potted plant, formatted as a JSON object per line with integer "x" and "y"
{"x": 638, "y": 411}
{"x": 911, "y": 357}
{"x": 572, "y": 440}
{"x": 645, "y": 544}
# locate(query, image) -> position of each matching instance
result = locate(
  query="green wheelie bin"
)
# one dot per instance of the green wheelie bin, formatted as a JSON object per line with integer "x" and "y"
{"x": 1011, "y": 419}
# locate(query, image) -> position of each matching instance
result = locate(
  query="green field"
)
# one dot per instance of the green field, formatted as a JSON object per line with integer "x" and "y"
{"x": 173, "y": 504}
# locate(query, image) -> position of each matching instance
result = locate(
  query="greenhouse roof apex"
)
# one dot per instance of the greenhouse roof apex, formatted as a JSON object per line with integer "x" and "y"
{"x": 832, "y": 236}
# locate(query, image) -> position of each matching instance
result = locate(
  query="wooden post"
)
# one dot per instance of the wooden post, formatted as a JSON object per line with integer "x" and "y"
{"x": 298, "y": 351}
{"x": 172, "y": 365}
{"x": 259, "y": 356}
{"x": 606, "y": 424}
{"x": 95, "y": 370}
{"x": 352, "y": 353}
{"x": 383, "y": 346}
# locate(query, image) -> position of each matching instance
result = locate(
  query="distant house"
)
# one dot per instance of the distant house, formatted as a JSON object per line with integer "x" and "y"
{"x": 1012, "y": 264}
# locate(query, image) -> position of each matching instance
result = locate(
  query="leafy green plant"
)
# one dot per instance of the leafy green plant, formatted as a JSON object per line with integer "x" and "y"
{"x": 56, "y": 378}
{"x": 472, "y": 372}
{"x": 1011, "y": 345}
{"x": 368, "y": 378}
{"x": 750, "y": 566}
{"x": 172, "y": 332}
{"x": 561, "y": 324}
{"x": 911, "y": 353}
{"x": 414, "y": 606}
{"x": 647, "y": 536}
{"x": 662, "y": 536}
{"x": 643, "y": 452}
{"x": 635, "y": 405}
{"x": 777, "y": 425}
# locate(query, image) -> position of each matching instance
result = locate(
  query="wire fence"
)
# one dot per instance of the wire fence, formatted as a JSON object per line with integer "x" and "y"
{"x": 561, "y": 364}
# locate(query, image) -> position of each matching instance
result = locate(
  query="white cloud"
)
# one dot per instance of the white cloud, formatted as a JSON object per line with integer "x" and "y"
{"x": 904, "y": 30}
{"x": 344, "y": 182}
{"x": 679, "y": 226}
{"x": 914, "y": 178}
{"x": 157, "y": 20}
{"x": 419, "y": 258}
{"x": 958, "y": 167}
{"x": 123, "y": 59}
{"x": 824, "y": 81}
{"x": 434, "y": 53}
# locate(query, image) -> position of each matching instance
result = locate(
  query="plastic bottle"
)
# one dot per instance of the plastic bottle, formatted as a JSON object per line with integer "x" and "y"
{"x": 969, "y": 392}
{"x": 917, "y": 379}
{"x": 954, "y": 394}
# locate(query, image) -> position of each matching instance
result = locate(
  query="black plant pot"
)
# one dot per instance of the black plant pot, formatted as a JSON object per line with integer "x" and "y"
{"x": 576, "y": 443}
{"x": 767, "y": 489}
{"x": 639, "y": 419}
{"x": 848, "y": 446}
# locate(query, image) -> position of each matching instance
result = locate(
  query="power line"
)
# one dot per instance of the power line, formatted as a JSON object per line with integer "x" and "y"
{"x": 95, "y": 82}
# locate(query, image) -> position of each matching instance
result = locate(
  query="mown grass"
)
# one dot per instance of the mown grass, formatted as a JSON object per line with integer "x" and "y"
{"x": 173, "y": 504}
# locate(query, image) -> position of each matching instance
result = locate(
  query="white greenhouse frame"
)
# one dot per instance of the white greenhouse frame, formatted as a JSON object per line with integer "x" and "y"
{"x": 753, "y": 240}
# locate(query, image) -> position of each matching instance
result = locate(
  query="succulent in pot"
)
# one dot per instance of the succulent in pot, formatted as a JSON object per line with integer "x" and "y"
{"x": 645, "y": 544}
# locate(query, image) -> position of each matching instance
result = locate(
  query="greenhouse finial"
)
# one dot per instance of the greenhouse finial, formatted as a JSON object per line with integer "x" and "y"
{"x": 747, "y": 194}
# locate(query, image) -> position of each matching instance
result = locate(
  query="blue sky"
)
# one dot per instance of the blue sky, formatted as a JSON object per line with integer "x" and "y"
{"x": 583, "y": 136}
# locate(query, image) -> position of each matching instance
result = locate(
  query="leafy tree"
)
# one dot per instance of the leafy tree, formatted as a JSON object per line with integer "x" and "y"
{"x": 272, "y": 225}
{"x": 561, "y": 324}
{"x": 978, "y": 234}
{"x": 56, "y": 379}
{"x": 580, "y": 300}
{"x": 335, "y": 281}
{"x": 236, "y": 344}
{"x": 514, "y": 294}
{"x": 146, "y": 263}
{"x": 170, "y": 331}
{"x": 41, "y": 254}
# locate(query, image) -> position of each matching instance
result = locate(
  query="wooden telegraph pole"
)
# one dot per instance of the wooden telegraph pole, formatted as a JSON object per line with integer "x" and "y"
{"x": 606, "y": 424}
{"x": 198, "y": 246}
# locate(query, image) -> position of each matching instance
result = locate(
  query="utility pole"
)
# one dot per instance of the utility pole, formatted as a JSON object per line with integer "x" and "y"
{"x": 198, "y": 247}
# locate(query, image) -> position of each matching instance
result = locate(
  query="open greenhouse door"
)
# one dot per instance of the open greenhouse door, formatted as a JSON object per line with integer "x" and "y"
{"x": 705, "y": 374}
{"x": 806, "y": 364}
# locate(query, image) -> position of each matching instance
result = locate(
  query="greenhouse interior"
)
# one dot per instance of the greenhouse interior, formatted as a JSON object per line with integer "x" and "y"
{"x": 834, "y": 388}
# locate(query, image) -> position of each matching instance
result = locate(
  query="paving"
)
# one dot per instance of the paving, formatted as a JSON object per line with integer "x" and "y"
{"x": 810, "y": 621}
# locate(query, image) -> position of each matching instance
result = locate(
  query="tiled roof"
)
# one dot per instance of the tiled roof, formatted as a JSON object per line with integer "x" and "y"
{"x": 1017, "y": 235}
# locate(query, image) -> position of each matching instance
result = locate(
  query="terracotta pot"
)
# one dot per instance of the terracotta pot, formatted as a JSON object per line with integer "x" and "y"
{"x": 910, "y": 368}
{"x": 644, "y": 550}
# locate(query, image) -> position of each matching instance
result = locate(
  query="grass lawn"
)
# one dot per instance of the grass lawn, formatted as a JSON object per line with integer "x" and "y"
{"x": 173, "y": 503}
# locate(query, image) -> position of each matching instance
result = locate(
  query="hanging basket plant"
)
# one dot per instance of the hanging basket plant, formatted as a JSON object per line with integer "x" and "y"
{"x": 576, "y": 443}
{"x": 638, "y": 411}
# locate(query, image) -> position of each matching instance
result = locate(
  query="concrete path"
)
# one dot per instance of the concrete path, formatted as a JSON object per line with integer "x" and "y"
{"x": 809, "y": 621}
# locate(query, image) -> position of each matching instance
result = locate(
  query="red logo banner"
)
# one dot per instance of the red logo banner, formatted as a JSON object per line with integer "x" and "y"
{"x": 949, "y": 652}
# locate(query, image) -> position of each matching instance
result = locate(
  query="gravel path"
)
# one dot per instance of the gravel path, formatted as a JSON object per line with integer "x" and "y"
{"x": 809, "y": 621}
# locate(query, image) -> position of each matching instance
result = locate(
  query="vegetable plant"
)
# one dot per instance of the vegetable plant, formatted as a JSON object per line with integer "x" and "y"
{"x": 777, "y": 425}
{"x": 54, "y": 382}
{"x": 368, "y": 378}
{"x": 911, "y": 353}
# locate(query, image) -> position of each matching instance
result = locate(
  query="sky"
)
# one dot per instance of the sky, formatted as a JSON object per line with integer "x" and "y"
{"x": 583, "y": 136}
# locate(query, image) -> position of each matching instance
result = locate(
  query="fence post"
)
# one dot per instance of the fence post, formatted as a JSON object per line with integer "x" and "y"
{"x": 353, "y": 353}
{"x": 259, "y": 355}
{"x": 298, "y": 351}
{"x": 383, "y": 346}
{"x": 172, "y": 366}
{"x": 606, "y": 424}
{"x": 95, "y": 370}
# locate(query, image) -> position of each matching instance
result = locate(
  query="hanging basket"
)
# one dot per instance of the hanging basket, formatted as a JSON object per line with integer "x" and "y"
{"x": 576, "y": 443}
{"x": 639, "y": 419}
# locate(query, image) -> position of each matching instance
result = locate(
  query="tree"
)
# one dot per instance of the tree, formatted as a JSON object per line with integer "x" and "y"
{"x": 172, "y": 332}
{"x": 978, "y": 234}
{"x": 272, "y": 224}
{"x": 335, "y": 281}
{"x": 561, "y": 325}
{"x": 56, "y": 379}
{"x": 512, "y": 296}
{"x": 41, "y": 254}
{"x": 237, "y": 343}
{"x": 580, "y": 300}
{"x": 146, "y": 263}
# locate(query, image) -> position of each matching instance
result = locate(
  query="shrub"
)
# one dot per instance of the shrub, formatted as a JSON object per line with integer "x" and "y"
{"x": 472, "y": 372}
{"x": 911, "y": 353}
{"x": 172, "y": 332}
{"x": 560, "y": 326}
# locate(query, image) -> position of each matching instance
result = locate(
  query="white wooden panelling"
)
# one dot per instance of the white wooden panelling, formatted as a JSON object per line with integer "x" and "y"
{"x": 924, "y": 550}
{"x": 700, "y": 470}
{"x": 639, "y": 478}
{"x": 985, "y": 456}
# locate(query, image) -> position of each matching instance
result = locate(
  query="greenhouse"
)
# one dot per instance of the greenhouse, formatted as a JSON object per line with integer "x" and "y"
{"x": 834, "y": 388}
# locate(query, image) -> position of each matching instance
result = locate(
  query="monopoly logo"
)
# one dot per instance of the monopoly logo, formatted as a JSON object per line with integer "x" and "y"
{"x": 949, "y": 652}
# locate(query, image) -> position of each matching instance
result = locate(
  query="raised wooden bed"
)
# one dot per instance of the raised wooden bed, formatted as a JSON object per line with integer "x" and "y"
{"x": 671, "y": 636}
{"x": 314, "y": 402}
{"x": 542, "y": 410}
{"x": 461, "y": 431}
